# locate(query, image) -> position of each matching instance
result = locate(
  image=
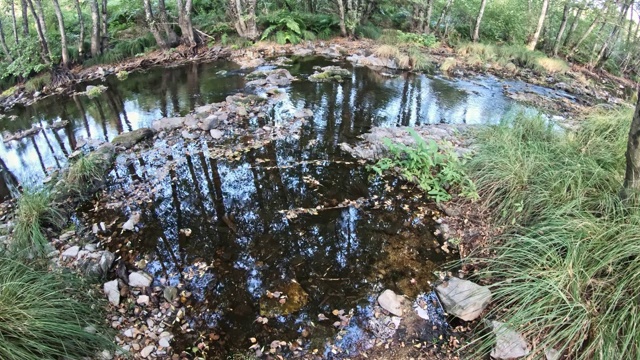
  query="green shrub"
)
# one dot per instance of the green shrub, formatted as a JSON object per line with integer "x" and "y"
{"x": 122, "y": 75}
{"x": 95, "y": 91}
{"x": 291, "y": 27}
{"x": 83, "y": 173}
{"x": 34, "y": 212}
{"x": 437, "y": 170}
{"x": 397, "y": 37}
{"x": 38, "y": 82}
{"x": 368, "y": 31}
{"x": 44, "y": 315}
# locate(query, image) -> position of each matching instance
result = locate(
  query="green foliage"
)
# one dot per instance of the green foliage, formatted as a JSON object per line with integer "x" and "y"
{"x": 95, "y": 91}
{"x": 83, "y": 173}
{"x": 44, "y": 315}
{"x": 568, "y": 280}
{"x": 290, "y": 27}
{"x": 34, "y": 212}
{"x": 437, "y": 170}
{"x": 397, "y": 37}
{"x": 8, "y": 92}
{"x": 26, "y": 60}
{"x": 122, "y": 75}
{"x": 481, "y": 54}
{"x": 369, "y": 31}
{"x": 37, "y": 83}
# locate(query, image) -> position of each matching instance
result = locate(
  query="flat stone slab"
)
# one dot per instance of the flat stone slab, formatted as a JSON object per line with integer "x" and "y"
{"x": 510, "y": 344}
{"x": 129, "y": 139}
{"x": 140, "y": 279}
{"x": 463, "y": 298}
{"x": 391, "y": 302}
{"x": 111, "y": 290}
{"x": 166, "y": 124}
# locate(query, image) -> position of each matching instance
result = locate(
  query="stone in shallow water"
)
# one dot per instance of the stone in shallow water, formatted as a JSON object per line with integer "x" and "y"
{"x": 509, "y": 343}
{"x": 294, "y": 299}
{"x": 464, "y": 299}
{"x": 170, "y": 293}
{"x": 166, "y": 124}
{"x": 391, "y": 302}
{"x": 129, "y": 139}
{"x": 139, "y": 279}
{"x": 112, "y": 292}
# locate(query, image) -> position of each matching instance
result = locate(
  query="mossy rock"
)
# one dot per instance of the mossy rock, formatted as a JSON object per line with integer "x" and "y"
{"x": 290, "y": 300}
{"x": 129, "y": 139}
{"x": 330, "y": 73}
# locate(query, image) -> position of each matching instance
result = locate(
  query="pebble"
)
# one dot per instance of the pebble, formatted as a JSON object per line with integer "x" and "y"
{"x": 147, "y": 351}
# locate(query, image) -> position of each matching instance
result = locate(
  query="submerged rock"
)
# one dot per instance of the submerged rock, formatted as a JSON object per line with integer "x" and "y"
{"x": 391, "y": 302}
{"x": 166, "y": 124}
{"x": 129, "y": 139}
{"x": 510, "y": 344}
{"x": 463, "y": 298}
{"x": 288, "y": 299}
{"x": 140, "y": 279}
{"x": 330, "y": 73}
{"x": 170, "y": 293}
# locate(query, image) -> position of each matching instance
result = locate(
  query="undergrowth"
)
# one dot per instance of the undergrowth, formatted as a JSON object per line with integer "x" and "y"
{"x": 436, "y": 169}
{"x": 34, "y": 212}
{"x": 480, "y": 54}
{"x": 566, "y": 273}
{"x": 47, "y": 315}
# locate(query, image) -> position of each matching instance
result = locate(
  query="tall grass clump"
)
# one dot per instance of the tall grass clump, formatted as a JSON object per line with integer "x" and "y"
{"x": 35, "y": 211}
{"x": 566, "y": 274}
{"x": 43, "y": 317}
{"x": 83, "y": 173}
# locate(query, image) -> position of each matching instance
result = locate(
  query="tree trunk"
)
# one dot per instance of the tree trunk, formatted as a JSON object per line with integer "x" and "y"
{"x": 418, "y": 18}
{"x": 184, "y": 20}
{"x": 244, "y": 16}
{"x": 25, "y": 17}
{"x": 104, "y": 43}
{"x": 46, "y": 53}
{"x": 543, "y": 16}
{"x": 148, "y": 15}
{"x": 574, "y": 25}
{"x": 584, "y": 36}
{"x": 63, "y": 35}
{"x": 445, "y": 11}
{"x": 95, "y": 28}
{"x": 476, "y": 30}
{"x": 3, "y": 42}
{"x": 607, "y": 47}
{"x": 14, "y": 22}
{"x": 168, "y": 30}
{"x": 343, "y": 27}
{"x": 81, "y": 25}
{"x": 40, "y": 17}
{"x": 563, "y": 26}
{"x": 427, "y": 21}
{"x": 632, "y": 174}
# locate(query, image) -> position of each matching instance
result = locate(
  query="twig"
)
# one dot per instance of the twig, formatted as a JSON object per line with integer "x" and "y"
{"x": 202, "y": 33}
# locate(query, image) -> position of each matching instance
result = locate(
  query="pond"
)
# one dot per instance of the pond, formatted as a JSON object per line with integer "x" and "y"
{"x": 296, "y": 210}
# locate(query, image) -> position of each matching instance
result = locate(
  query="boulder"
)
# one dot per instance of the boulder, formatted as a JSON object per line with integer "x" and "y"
{"x": 111, "y": 290}
{"x": 463, "y": 298}
{"x": 71, "y": 252}
{"x": 106, "y": 260}
{"x": 509, "y": 343}
{"x": 210, "y": 122}
{"x": 140, "y": 279}
{"x": 391, "y": 302}
{"x": 166, "y": 124}
{"x": 129, "y": 139}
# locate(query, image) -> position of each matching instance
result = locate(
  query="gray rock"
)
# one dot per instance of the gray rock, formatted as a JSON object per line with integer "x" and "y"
{"x": 463, "y": 299}
{"x": 112, "y": 292}
{"x": 106, "y": 260}
{"x": 164, "y": 342}
{"x": 216, "y": 134}
{"x": 129, "y": 139}
{"x": 170, "y": 293}
{"x": 90, "y": 247}
{"x": 140, "y": 279}
{"x": 391, "y": 302}
{"x": 188, "y": 135}
{"x": 303, "y": 113}
{"x": 143, "y": 300}
{"x": 166, "y": 124}
{"x": 552, "y": 354}
{"x": 71, "y": 252}
{"x": 210, "y": 122}
{"x": 192, "y": 122}
{"x": 509, "y": 343}
{"x": 147, "y": 351}
{"x": 204, "y": 109}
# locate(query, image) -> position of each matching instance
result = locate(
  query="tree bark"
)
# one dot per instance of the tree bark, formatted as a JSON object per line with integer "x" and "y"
{"x": 95, "y": 28}
{"x": 543, "y": 16}
{"x": 63, "y": 34}
{"x": 25, "y": 17}
{"x": 172, "y": 38}
{"x": 3, "y": 41}
{"x": 341, "y": 13}
{"x": 445, "y": 11}
{"x": 184, "y": 20}
{"x": 476, "y": 30}
{"x": 40, "y": 17}
{"x": 81, "y": 25}
{"x": 14, "y": 22}
{"x": 46, "y": 53}
{"x": 584, "y": 37}
{"x": 607, "y": 48}
{"x": 574, "y": 25}
{"x": 244, "y": 16}
{"x": 427, "y": 21}
{"x": 148, "y": 15}
{"x": 632, "y": 173}
{"x": 104, "y": 43}
{"x": 563, "y": 26}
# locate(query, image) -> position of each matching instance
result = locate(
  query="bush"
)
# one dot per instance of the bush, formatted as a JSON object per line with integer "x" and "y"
{"x": 122, "y": 75}
{"x": 437, "y": 170}
{"x": 37, "y": 83}
{"x": 34, "y": 212}
{"x": 480, "y": 54}
{"x": 567, "y": 276}
{"x": 43, "y": 316}
{"x": 291, "y": 27}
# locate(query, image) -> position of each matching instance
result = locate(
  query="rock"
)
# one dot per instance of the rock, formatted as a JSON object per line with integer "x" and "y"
{"x": 112, "y": 292}
{"x": 130, "y": 224}
{"x": 129, "y": 333}
{"x": 106, "y": 355}
{"x": 303, "y": 113}
{"x": 71, "y": 252}
{"x": 140, "y": 279}
{"x": 210, "y": 122}
{"x": 90, "y": 247}
{"x": 552, "y": 354}
{"x": 129, "y": 139}
{"x": 188, "y": 136}
{"x": 509, "y": 343}
{"x": 192, "y": 122}
{"x": 463, "y": 299}
{"x": 106, "y": 260}
{"x": 330, "y": 73}
{"x": 142, "y": 300}
{"x": 170, "y": 293}
{"x": 391, "y": 302}
{"x": 147, "y": 351}
{"x": 166, "y": 124}
{"x": 204, "y": 109}
{"x": 242, "y": 112}
{"x": 216, "y": 134}
{"x": 164, "y": 342}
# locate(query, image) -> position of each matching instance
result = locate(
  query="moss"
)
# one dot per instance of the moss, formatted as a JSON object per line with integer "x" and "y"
{"x": 10, "y": 91}
{"x": 122, "y": 75}
{"x": 95, "y": 91}
{"x": 330, "y": 73}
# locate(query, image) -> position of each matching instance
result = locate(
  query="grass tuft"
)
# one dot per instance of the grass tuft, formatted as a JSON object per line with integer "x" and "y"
{"x": 44, "y": 315}
{"x": 34, "y": 211}
{"x": 448, "y": 64}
